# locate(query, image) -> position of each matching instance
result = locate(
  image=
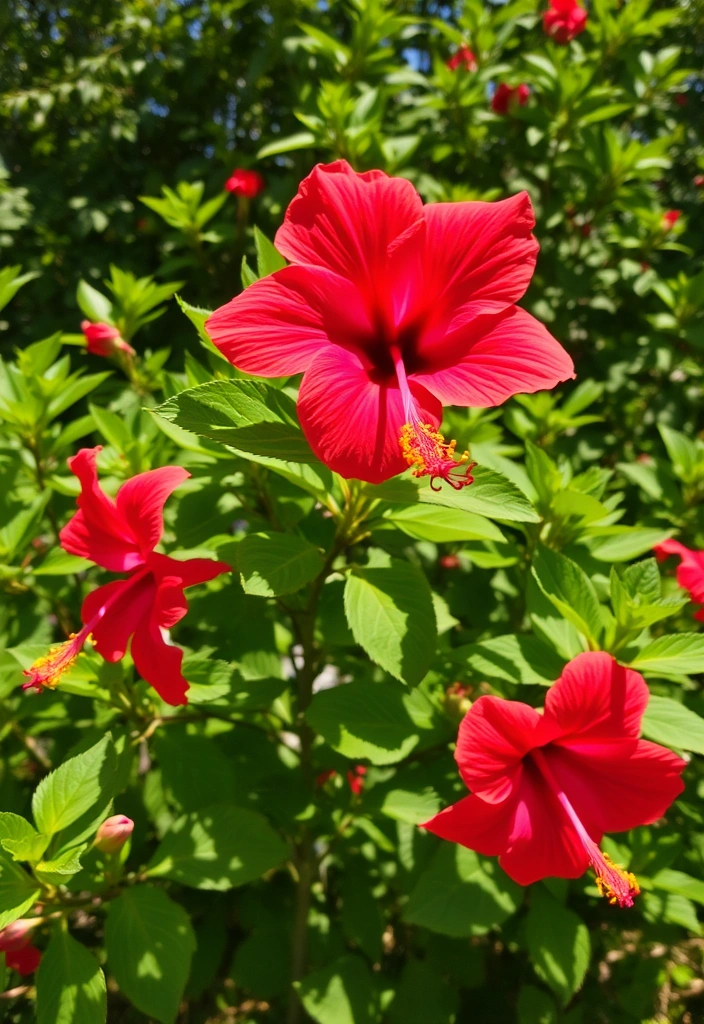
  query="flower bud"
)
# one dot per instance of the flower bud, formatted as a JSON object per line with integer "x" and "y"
{"x": 18, "y": 934}
{"x": 113, "y": 833}
{"x": 24, "y": 961}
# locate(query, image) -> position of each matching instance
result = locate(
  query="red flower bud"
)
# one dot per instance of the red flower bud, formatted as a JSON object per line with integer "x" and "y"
{"x": 245, "y": 183}
{"x": 670, "y": 217}
{"x": 355, "y": 778}
{"x": 104, "y": 340}
{"x": 24, "y": 961}
{"x": 698, "y": 180}
{"x": 450, "y": 562}
{"x": 564, "y": 20}
{"x": 462, "y": 58}
{"x": 18, "y": 934}
{"x": 507, "y": 96}
{"x": 113, "y": 833}
{"x": 321, "y": 779}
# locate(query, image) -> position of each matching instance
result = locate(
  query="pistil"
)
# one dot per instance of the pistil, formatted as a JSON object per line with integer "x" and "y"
{"x": 424, "y": 447}
{"x": 617, "y": 885}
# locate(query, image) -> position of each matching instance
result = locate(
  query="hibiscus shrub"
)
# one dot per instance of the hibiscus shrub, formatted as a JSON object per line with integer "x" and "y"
{"x": 351, "y": 548}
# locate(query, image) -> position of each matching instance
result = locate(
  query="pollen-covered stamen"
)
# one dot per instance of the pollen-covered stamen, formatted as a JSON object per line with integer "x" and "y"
{"x": 617, "y": 885}
{"x": 424, "y": 447}
{"x": 47, "y": 670}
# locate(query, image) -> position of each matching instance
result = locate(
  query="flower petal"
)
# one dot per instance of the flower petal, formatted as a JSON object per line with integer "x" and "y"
{"x": 473, "y": 823}
{"x": 479, "y": 256}
{"x": 617, "y": 785}
{"x": 98, "y": 531}
{"x": 353, "y": 419}
{"x": 595, "y": 698}
{"x": 278, "y": 325}
{"x": 140, "y": 502}
{"x": 130, "y": 602}
{"x": 190, "y": 571}
{"x": 690, "y": 571}
{"x": 489, "y": 359}
{"x": 159, "y": 663}
{"x": 542, "y": 842}
{"x": 493, "y": 738}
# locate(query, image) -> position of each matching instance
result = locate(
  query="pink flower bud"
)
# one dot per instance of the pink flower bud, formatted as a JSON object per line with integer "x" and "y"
{"x": 104, "y": 340}
{"x": 18, "y": 934}
{"x": 114, "y": 833}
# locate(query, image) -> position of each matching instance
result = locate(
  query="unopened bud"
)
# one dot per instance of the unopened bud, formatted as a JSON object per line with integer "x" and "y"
{"x": 113, "y": 833}
{"x": 18, "y": 934}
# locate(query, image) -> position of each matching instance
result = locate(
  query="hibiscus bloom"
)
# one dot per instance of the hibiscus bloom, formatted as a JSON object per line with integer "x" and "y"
{"x": 545, "y": 788}
{"x": 690, "y": 571}
{"x": 670, "y": 218}
{"x": 505, "y": 96}
{"x": 391, "y": 309}
{"x": 104, "y": 340}
{"x": 245, "y": 183}
{"x": 121, "y": 536}
{"x": 15, "y": 943}
{"x": 564, "y": 20}
{"x": 24, "y": 961}
{"x": 462, "y": 58}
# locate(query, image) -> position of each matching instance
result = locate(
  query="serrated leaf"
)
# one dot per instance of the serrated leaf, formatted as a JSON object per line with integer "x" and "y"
{"x": 18, "y": 891}
{"x": 680, "y": 654}
{"x": 570, "y": 590}
{"x": 515, "y": 658}
{"x": 70, "y": 984}
{"x": 668, "y": 722}
{"x": 72, "y": 789}
{"x": 270, "y": 564}
{"x": 443, "y": 525}
{"x": 20, "y": 839}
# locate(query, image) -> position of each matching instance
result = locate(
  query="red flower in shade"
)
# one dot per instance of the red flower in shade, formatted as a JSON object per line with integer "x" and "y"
{"x": 690, "y": 571}
{"x": 121, "y": 536}
{"x": 564, "y": 20}
{"x": 698, "y": 180}
{"x": 355, "y": 778}
{"x": 545, "y": 788}
{"x": 104, "y": 340}
{"x": 391, "y": 309}
{"x": 245, "y": 183}
{"x": 462, "y": 58}
{"x": 670, "y": 218}
{"x": 506, "y": 96}
{"x": 24, "y": 961}
{"x": 18, "y": 934}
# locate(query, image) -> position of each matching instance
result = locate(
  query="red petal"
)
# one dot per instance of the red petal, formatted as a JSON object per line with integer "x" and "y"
{"x": 479, "y": 257}
{"x": 24, "y": 961}
{"x": 170, "y": 604}
{"x": 690, "y": 571}
{"x": 595, "y": 698}
{"x": 346, "y": 221}
{"x": 489, "y": 359}
{"x": 494, "y": 737}
{"x": 353, "y": 422}
{"x": 542, "y": 842}
{"x": 140, "y": 501}
{"x": 159, "y": 663}
{"x": 473, "y": 823}
{"x": 98, "y": 531}
{"x": 617, "y": 785}
{"x": 131, "y": 603}
{"x": 189, "y": 572}
{"x": 278, "y": 325}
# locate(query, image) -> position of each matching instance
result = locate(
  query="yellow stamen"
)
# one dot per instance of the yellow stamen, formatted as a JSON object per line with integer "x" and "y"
{"x": 616, "y": 884}
{"x": 47, "y": 670}
{"x": 427, "y": 451}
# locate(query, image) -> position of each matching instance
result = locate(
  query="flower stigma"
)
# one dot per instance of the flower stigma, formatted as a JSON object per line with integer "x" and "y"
{"x": 50, "y": 667}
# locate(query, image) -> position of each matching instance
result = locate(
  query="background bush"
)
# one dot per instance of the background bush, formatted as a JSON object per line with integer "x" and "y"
{"x": 255, "y": 858}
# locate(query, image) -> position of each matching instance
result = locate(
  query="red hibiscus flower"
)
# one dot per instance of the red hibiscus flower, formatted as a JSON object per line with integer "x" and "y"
{"x": 564, "y": 20}
{"x": 355, "y": 778}
{"x": 104, "y": 340}
{"x": 698, "y": 180}
{"x": 15, "y": 942}
{"x": 545, "y": 788}
{"x": 24, "y": 961}
{"x": 121, "y": 536}
{"x": 462, "y": 58}
{"x": 392, "y": 309}
{"x": 670, "y": 218}
{"x": 506, "y": 96}
{"x": 245, "y": 183}
{"x": 690, "y": 571}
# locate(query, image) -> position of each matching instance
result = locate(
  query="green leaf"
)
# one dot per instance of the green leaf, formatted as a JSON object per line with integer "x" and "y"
{"x": 269, "y": 259}
{"x": 300, "y": 140}
{"x": 342, "y": 993}
{"x": 70, "y": 984}
{"x": 218, "y": 848}
{"x": 423, "y": 995}
{"x": 247, "y": 415}
{"x": 534, "y": 1006}
{"x": 443, "y": 525}
{"x": 379, "y": 722}
{"x": 150, "y": 943}
{"x": 515, "y": 658}
{"x": 680, "y": 883}
{"x": 570, "y": 590}
{"x": 93, "y": 303}
{"x": 60, "y": 563}
{"x": 390, "y": 612}
{"x": 20, "y": 839}
{"x": 17, "y": 891}
{"x": 668, "y": 722}
{"x": 622, "y": 543}
{"x": 409, "y": 806}
{"x": 460, "y": 894}
{"x": 681, "y": 654}
{"x": 270, "y": 564}
{"x": 58, "y": 870}
{"x": 558, "y": 943}
{"x": 77, "y": 785}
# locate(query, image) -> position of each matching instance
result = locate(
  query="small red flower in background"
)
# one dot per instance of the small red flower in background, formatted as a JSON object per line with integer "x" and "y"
{"x": 355, "y": 778}
{"x": 15, "y": 943}
{"x": 690, "y": 571}
{"x": 506, "y": 96}
{"x": 670, "y": 218}
{"x": 390, "y": 310}
{"x": 121, "y": 536}
{"x": 449, "y": 562}
{"x": 245, "y": 183}
{"x": 24, "y": 961}
{"x": 462, "y": 58}
{"x": 698, "y": 180}
{"x": 681, "y": 99}
{"x": 325, "y": 776}
{"x": 104, "y": 340}
{"x": 564, "y": 20}
{"x": 545, "y": 788}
